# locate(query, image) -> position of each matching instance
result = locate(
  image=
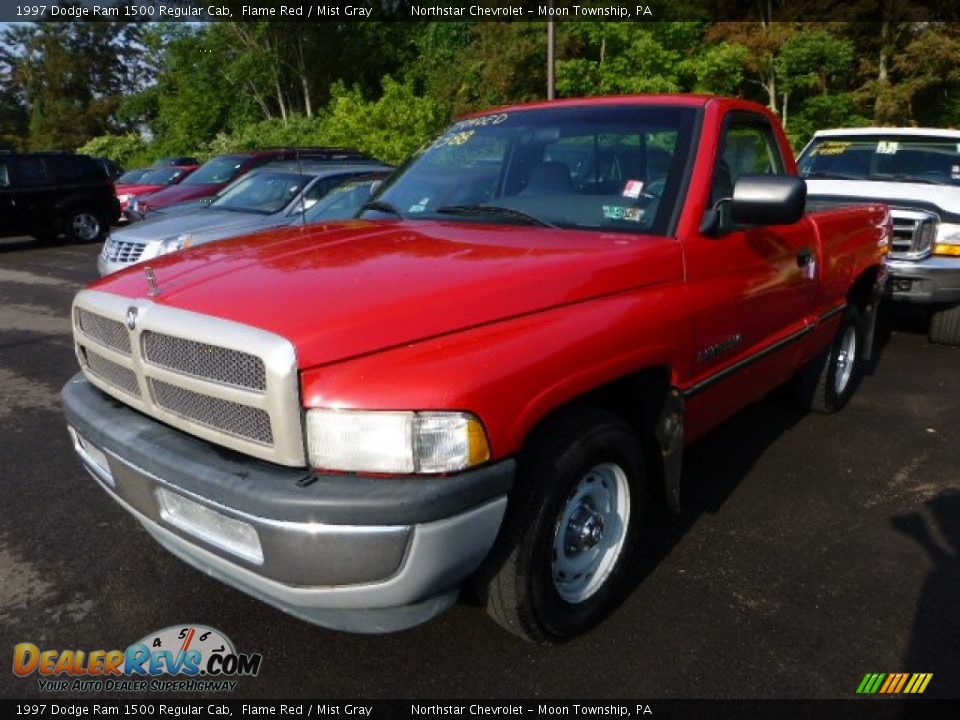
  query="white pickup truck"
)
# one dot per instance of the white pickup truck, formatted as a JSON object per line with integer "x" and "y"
{"x": 916, "y": 171}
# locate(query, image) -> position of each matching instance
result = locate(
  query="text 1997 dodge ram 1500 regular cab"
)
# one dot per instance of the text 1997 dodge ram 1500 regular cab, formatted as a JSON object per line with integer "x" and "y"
{"x": 487, "y": 376}
{"x": 916, "y": 172}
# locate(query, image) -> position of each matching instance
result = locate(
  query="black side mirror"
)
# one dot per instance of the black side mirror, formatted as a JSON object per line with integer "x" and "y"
{"x": 760, "y": 200}
{"x": 768, "y": 200}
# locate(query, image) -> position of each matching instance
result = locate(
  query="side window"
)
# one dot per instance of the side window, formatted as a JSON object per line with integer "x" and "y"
{"x": 748, "y": 147}
{"x": 29, "y": 171}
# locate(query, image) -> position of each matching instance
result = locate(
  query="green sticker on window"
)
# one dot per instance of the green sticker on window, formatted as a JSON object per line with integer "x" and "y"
{"x": 613, "y": 212}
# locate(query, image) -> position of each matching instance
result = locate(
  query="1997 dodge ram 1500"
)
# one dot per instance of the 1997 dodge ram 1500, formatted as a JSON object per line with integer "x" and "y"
{"x": 488, "y": 375}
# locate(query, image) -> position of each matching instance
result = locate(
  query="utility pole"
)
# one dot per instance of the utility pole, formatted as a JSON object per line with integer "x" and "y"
{"x": 550, "y": 54}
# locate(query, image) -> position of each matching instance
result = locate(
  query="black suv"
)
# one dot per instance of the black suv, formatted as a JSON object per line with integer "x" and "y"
{"x": 45, "y": 194}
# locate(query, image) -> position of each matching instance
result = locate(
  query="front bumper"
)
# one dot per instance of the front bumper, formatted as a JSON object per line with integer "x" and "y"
{"x": 353, "y": 553}
{"x": 934, "y": 280}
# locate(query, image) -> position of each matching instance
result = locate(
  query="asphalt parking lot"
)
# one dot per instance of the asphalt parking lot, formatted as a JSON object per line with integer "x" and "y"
{"x": 811, "y": 550}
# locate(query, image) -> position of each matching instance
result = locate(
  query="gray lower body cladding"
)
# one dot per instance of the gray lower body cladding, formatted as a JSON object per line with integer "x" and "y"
{"x": 354, "y": 553}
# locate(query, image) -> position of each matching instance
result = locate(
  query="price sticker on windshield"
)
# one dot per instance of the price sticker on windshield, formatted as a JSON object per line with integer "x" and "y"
{"x": 887, "y": 147}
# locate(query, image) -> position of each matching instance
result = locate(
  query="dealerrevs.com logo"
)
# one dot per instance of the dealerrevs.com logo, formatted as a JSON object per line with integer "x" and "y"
{"x": 199, "y": 659}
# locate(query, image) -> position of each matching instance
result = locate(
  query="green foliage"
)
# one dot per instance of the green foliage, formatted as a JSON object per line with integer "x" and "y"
{"x": 144, "y": 90}
{"x": 129, "y": 150}
{"x": 389, "y": 128}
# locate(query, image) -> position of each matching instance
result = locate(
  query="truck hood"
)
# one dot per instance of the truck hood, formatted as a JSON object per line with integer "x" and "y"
{"x": 942, "y": 199}
{"x": 203, "y": 223}
{"x": 181, "y": 193}
{"x": 347, "y": 289}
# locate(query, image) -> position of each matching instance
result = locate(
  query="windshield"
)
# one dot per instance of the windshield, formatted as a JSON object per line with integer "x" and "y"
{"x": 907, "y": 158}
{"x": 263, "y": 193}
{"x": 162, "y": 176}
{"x": 590, "y": 167}
{"x": 133, "y": 176}
{"x": 343, "y": 202}
{"x": 219, "y": 170}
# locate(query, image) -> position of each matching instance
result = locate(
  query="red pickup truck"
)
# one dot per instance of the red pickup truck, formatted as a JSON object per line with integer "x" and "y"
{"x": 488, "y": 375}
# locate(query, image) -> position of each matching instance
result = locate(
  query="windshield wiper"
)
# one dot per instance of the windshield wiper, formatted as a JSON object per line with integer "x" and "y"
{"x": 925, "y": 179}
{"x": 493, "y": 210}
{"x": 384, "y": 207}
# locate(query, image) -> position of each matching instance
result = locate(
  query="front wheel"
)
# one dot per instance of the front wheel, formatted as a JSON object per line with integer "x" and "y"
{"x": 827, "y": 382}
{"x": 945, "y": 326}
{"x": 83, "y": 225}
{"x": 571, "y": 528}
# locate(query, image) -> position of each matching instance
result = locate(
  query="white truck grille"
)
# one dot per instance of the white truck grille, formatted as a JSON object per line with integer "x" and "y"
{"x": 913, "y": 234}
{"x": 228, "y": 383}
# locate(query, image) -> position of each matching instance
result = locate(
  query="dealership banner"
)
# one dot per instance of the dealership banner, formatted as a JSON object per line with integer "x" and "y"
{"x": 471, "y": 10}
{"x": 347, "y": 708}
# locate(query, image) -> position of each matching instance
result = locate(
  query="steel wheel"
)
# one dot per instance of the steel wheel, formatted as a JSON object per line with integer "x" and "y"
{"x": 590, "y": 533}
{"x": 84, "y": 226}
{"x": 846, "y": 358}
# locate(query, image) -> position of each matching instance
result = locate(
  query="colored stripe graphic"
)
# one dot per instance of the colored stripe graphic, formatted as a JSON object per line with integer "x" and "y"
{"x": 894, "y": 683}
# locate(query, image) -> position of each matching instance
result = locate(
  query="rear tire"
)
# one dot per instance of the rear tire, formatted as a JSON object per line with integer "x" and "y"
{"x": 572, "y": 525}
{"x": 945, "y": 326}
{"x": 827, "y": 382}
{"x": 83, "y": 225}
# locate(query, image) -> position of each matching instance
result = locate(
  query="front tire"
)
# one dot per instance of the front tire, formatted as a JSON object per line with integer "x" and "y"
{"x": 571, "y": 528}
{"x": 945, "y": 326}
{"x": 82, "y": 225}
{"x": 827, "y": 383}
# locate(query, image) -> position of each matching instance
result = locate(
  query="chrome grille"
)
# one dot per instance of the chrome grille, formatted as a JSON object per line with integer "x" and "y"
{"x": 111, "y": 372}
{"x": 913, "y": 234}
{"x": 234, "y": 418}
{"x": 219, "y": 380}
{"x": 222, "y": 365}
{"x": 110, "y": 332}
{"x": 123, "y": 251}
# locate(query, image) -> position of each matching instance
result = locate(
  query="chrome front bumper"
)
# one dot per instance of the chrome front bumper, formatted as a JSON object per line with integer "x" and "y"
{"x": 934, "y": 280}
{"x": 351, "y": 553}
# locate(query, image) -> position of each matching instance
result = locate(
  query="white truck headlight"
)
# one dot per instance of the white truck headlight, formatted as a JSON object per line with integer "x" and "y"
{"x": 394, "y": 442}
{"x": 174, "y": 244}
{"x": 948, "y": 240}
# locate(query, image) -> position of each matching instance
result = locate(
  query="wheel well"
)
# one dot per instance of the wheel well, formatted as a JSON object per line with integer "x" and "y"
{"x": 638, "y": 399}
{"x": 861, "y": 293}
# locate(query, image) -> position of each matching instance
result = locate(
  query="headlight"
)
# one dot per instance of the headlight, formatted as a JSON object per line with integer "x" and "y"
{"x": 948, "y": 240}
{"x": 395, "y": 442}
{"x": 174, "y": 244}
{"x": 124, "y": 197}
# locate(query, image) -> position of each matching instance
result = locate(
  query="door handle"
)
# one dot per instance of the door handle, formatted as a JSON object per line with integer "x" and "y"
{"x": 804, "y": 257}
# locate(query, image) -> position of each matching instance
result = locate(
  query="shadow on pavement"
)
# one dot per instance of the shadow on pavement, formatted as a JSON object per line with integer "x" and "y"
{"x": 935, "y": 643}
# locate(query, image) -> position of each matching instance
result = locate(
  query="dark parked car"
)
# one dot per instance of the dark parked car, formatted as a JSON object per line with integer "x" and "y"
{"x": 111, "y": 168}
{"x": 219, "y": 171}
{"x": 45, "y": 194}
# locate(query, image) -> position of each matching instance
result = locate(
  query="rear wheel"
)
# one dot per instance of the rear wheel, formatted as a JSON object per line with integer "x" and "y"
{"x": 82, "y": 225}
{"x": 827, "y": 382}
{"x": 573, "y": 523}
{"x": 945, "y": 326}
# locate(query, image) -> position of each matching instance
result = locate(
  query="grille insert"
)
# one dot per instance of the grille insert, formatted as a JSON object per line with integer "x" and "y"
{"x": 224, "y": 415}
{"x": 110, "y": 372}
{"x": 124, "y": 251}
{"x": 111, "y": 333}
{"x": 212, "y": 362}
{"x": 913, "y": 235}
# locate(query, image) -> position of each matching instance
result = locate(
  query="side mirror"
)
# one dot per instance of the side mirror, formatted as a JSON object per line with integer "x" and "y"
{"x": 768, "y": 200}
{"x": 760, "y": 200}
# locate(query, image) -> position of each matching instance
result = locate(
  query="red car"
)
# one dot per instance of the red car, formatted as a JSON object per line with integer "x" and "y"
{"x": 217, "y": 172}
{"x": 140, "y": 183}
{"x": 489, "y": 375}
